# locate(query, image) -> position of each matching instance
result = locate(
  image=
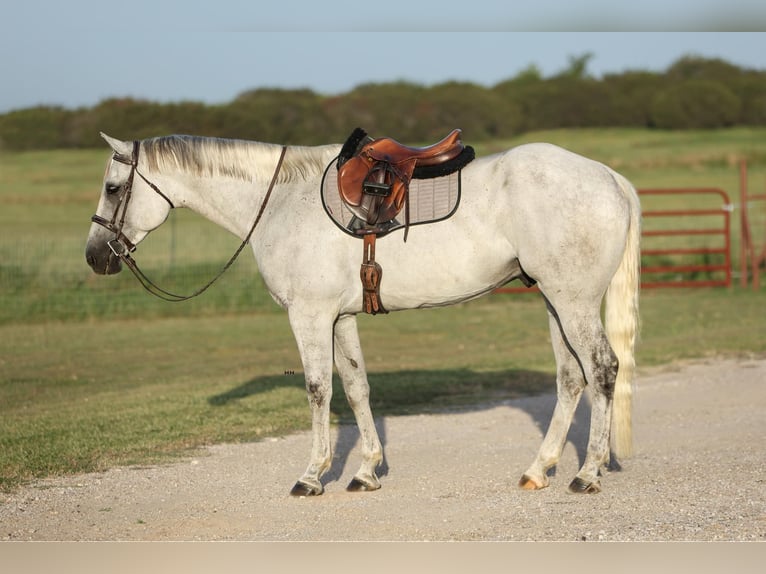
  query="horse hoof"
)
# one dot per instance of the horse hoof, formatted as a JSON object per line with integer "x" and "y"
{"x": 357, "y": 485}
{"x": 302, "y": 489}
{"x": 579, "y": 486}
{"x": 528, "y": 483}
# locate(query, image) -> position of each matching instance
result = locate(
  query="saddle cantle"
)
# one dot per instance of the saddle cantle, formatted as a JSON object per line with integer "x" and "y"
{"x": 373, "y": 182}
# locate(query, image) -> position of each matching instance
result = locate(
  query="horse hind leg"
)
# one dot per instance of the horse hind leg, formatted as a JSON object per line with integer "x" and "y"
{"x": 569, "y": 386}
{"x": 350, "y": 364}
{"x": 587, "y": 339}
{"x": 583, "y": 335}
{"x": 600, "y": 365}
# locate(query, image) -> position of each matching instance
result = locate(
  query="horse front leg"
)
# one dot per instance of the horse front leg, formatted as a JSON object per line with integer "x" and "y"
{"x": 313, "y": 334}
{"x": 353, "y": 373}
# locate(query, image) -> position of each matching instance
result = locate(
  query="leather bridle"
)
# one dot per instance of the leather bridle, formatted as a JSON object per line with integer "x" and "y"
{"x": 122, "y": 247}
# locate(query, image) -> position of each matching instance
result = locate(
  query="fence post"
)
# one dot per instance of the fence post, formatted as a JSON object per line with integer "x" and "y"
{"x": 744, "y": 233}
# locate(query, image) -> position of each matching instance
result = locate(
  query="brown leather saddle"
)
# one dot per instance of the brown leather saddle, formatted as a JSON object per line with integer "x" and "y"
{"x": 373, "y": 181}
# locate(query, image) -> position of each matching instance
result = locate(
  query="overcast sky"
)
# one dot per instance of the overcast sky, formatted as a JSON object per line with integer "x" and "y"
{"x": 80, "y": 52}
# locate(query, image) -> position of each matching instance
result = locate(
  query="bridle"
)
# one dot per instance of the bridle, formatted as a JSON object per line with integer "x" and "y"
{"x": 122, "y": 247}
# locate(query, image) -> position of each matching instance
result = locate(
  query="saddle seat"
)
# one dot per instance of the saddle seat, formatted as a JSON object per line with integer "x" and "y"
{"x": 391, "y": 151}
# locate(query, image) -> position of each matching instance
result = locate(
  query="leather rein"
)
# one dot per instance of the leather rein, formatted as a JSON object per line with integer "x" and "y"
{"x": 122, "y": 247}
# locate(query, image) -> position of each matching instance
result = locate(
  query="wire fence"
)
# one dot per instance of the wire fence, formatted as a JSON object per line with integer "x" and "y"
{"x": 48, "y": 279}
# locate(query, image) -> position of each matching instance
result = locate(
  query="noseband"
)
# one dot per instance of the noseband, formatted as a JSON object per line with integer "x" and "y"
{"x": 122, "y": 247}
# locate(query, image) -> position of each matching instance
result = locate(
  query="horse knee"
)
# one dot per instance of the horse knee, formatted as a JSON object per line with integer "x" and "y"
{"x": 319, "y": 392}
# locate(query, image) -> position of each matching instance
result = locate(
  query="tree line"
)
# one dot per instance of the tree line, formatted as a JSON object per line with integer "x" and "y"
{"x": 693, "y": 93}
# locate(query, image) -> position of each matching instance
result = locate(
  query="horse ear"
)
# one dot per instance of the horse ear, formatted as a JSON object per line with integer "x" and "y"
{"x": 120, "y": 147}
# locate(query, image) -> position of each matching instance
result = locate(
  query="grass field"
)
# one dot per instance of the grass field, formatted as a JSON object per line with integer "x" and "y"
{"x": 95, "y": 373}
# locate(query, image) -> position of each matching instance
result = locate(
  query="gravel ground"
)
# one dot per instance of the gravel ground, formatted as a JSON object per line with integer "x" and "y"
{"x": 699, "y": 474}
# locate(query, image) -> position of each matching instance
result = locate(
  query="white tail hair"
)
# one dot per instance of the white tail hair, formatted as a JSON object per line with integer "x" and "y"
{"x": 622, "y": 324}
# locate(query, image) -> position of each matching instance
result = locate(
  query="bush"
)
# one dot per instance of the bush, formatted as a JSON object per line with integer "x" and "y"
{"x": 35, "y": 128}
{"x": 693, "y": 93}
{"x": 695, "y": 104}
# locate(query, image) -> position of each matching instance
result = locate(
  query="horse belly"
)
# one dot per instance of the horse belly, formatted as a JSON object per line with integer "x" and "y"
{"x": 442, "y": 264}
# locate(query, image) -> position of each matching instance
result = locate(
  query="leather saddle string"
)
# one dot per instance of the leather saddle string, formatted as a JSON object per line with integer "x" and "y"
{"x": 160, "y": 293}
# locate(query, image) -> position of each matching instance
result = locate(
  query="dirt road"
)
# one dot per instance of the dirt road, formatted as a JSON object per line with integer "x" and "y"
{"x": 699, "y": 473}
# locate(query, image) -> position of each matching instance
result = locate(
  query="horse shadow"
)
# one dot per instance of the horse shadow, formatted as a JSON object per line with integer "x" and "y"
{"x": 412, "y": 392}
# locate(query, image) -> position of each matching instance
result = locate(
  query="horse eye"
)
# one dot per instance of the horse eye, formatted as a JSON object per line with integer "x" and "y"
{"x": 111, "y": 188}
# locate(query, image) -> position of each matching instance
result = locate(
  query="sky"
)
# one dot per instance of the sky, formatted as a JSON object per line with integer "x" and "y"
{"x": 78, "y": 53}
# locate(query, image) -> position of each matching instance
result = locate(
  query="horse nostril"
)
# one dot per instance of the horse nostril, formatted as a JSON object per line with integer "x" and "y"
{"x": 92, "y": 261}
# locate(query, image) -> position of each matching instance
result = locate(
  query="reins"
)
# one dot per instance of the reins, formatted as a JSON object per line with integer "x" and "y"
{"x": 122, "y": 247}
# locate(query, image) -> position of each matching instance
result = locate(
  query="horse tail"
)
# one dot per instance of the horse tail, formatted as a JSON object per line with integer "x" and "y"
{"x": 622, "y": 323}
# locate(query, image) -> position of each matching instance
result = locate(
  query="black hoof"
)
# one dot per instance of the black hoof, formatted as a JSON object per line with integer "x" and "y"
{"x": 579, "y": 486}
{"x": 302, "y": 490}
{"x": 357, "y": 485}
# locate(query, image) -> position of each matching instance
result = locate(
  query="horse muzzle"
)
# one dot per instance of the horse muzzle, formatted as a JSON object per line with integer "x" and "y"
{"x": 103, "y": 259}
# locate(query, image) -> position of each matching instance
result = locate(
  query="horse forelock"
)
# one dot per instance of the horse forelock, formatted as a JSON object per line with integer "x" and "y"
{"x": 237, "y": 159}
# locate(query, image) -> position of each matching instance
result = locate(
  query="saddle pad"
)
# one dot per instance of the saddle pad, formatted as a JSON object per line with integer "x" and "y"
{"x": 431, "y": 200}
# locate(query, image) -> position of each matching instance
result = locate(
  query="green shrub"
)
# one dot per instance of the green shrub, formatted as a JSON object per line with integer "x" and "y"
{"x": 695, "y": 104}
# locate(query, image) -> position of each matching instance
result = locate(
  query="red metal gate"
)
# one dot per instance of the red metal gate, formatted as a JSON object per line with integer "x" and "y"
{"x": 684, "y": 262}
{"x": 675, "y": 245}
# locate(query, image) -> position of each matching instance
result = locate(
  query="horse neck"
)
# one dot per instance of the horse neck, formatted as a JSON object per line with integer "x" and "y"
{"x": 231, "y": 193}
{"x": 227, "y": 200}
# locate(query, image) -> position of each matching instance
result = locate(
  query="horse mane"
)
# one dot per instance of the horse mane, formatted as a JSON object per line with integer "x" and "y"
{"x": 238, "y": 159}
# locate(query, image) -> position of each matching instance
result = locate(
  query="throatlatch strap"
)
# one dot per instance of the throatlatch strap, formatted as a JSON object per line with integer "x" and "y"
{"x": 371, "y": 274}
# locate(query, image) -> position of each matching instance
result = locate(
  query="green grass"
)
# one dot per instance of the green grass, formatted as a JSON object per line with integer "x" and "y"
{"x": 96, "y": 373}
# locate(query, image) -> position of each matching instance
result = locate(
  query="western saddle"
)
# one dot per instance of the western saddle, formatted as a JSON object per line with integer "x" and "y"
{"x": 373, "y": 182}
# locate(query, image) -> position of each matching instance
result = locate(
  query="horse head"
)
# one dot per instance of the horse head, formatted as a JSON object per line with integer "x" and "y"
{"x": 129, "y": 208}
